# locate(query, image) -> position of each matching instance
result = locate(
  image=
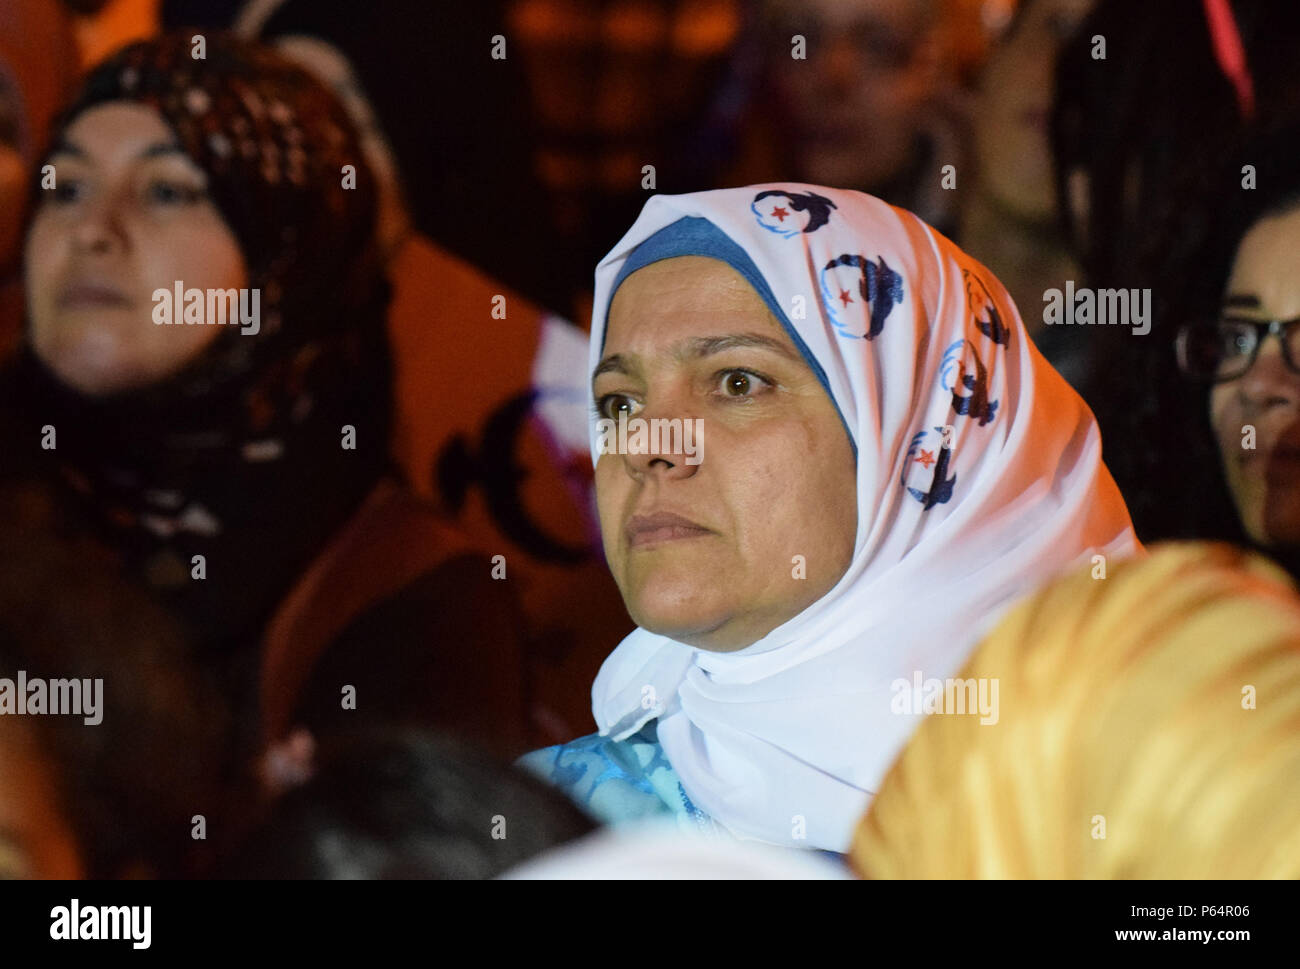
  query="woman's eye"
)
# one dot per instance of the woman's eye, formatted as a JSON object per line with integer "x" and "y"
{"x": 67, "y": 190}
{"x": 173, "y": 193}
{"x": 740, "y": 383}
{"x": 612, "y": 405}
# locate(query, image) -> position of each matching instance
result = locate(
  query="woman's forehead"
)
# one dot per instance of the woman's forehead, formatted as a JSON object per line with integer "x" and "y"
{"x": 684, "y": 297}
{"x": 117, "y": 132}
{"x": 1267, "y": 264}
{"x": 688, "y": 274}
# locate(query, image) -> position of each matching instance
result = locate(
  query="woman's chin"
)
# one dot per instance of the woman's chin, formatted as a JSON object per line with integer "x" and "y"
{"x": 678, "y": 611}
{"x": 1277, "y": 528}
{"x": 97, "y": 376}
{"x": 91, "y": 376}
{"x": 714, "y": 625}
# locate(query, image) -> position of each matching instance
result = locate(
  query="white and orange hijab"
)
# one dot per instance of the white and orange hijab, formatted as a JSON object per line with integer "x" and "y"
{"x": 979, "y": 476}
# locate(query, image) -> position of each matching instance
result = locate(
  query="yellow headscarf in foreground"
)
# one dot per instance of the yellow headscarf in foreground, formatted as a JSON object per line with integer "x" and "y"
{"x": 1149, "y": 727}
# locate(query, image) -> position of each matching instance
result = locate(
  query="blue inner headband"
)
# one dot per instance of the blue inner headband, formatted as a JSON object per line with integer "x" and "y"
{"x": 695, "y": 236}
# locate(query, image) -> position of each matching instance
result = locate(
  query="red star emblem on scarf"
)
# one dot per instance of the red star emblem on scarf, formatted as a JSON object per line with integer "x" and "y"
{"x": 926, "y": 459}
{"x": 780, "y": 213}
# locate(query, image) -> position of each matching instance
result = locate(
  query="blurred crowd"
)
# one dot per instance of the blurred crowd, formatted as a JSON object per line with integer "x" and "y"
{"x": 337, "y": 575}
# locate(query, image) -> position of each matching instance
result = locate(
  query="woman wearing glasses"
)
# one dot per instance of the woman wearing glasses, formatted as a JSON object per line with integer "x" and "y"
{"x": 1245, "y": 354}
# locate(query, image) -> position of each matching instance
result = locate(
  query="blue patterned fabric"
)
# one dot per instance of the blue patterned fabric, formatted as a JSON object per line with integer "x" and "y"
{"x": 617, "y": 781}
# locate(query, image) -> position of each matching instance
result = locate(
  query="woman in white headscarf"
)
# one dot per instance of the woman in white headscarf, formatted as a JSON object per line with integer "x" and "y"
{"x": 872, "y": 462}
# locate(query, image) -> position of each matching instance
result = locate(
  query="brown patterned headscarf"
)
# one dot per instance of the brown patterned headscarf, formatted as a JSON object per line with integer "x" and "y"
{"x": 275, "y": 144}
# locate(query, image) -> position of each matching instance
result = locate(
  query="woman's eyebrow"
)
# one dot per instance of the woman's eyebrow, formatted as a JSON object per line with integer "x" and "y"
{"x": 65, "y": 147}
{"x": 159, "y": 149}
{"x": 704, "y": 346}
{"x": 1241, "y": 301}
{"x": 614, "y": 363}
{"x": 162, "y": 149}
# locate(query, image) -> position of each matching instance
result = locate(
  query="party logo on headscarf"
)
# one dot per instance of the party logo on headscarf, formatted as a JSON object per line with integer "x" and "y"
{"x": 855, "y": 288}
{"x": 925, "y": 468}
{"x": 962, "y": 370}
{"x": 790, "y": 213}
{"x": 981, "y": 303}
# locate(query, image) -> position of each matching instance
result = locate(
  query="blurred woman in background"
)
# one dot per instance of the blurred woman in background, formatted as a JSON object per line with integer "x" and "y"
{"x": 243, "y": 471}
{"x": 865, "y": 94}
{"x": 1237, "y": 298}
{"x": 1149, "y": 145}
{"x": 1010, "y": 218}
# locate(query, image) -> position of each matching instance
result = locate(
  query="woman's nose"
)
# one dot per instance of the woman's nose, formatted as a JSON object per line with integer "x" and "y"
{"x": 668, "y": 446}
{"x": 1270, "y": 382}
{"x": 661, "y": 463}
{"x": 100, "y": 225}
{"x": 838, "y": 65}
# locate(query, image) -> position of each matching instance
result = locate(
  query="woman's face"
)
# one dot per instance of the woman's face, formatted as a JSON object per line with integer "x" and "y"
{"x": 35, "y": 839}
{"x": 1015, "y": 105}
{"x": 129, "y": 214}
{"x": 1265, "y": 480}
{"x": 853, "y": 108}
{"x": 688, "y": 338}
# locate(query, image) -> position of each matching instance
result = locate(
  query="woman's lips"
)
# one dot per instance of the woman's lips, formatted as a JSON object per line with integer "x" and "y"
{"x": 660, "y": 527}
{"x": 91, "y": 296}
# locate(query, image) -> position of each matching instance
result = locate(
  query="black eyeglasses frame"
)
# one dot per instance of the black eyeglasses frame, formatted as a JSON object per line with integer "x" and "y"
{"x": 1262, "y": 329}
